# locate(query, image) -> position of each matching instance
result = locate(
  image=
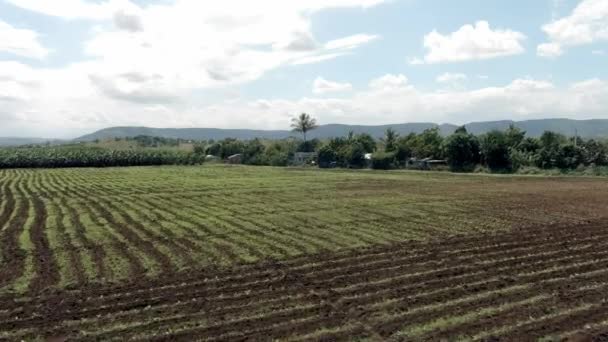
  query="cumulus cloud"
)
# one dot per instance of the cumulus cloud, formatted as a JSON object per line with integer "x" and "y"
{"x": 192, "y": 44}
{"x": 318, "y": 58}
{"x": 588, "y": 23}
{"x": 550, "y": 50}
{"x": 390, "y": 99}
{"x": 323, "y": 86}
{"x": 301, "y": 41}
{"x": 350, "y": 42}
{"x": 127, "y": 21}
{"x": 388, "y": 82}
{"x": 449, "y": 77}
{"x": 145, "y": 63}
{"x": 38, "y": 101}
{"x": 144, "y": 57}
{"x": 76, "y": 9}
{"x": 20, "y": 42}
{"x": 471, "y": 42}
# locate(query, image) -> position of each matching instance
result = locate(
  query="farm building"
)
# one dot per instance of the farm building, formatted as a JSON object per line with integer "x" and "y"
{"x": 425, "y": 164}
{"x": 303, "y": 158}
{"x": 235, "y": 159}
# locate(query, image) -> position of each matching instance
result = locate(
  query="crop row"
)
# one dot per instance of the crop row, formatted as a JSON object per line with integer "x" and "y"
{"x": 69, "y": 228}
{"x": 507, "y": 284}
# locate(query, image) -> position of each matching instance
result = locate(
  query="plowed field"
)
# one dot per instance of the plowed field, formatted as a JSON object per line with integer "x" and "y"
{"x": 239, "y": 253}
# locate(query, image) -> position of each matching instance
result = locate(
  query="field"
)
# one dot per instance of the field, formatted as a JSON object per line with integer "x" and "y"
{"x": 235, "y": 253}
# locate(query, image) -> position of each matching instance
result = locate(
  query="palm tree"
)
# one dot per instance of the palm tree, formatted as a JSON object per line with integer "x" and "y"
{"x": 390, "y": 140}
{"x": 303, "y": 123}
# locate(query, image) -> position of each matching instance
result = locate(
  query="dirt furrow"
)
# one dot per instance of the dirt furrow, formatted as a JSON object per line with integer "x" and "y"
{"x": 13, "y": 256}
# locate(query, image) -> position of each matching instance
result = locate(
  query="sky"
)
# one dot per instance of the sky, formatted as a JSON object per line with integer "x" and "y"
{"x": 70, "y": 67}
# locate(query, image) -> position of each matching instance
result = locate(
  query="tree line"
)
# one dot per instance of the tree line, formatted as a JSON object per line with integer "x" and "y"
{"x": 497, "y": 151}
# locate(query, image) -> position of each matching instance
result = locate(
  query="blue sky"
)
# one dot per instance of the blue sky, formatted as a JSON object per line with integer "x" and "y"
{"x": 68, "y": 67}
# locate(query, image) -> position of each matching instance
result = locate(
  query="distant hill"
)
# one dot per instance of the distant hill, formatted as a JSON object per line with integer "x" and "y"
{"x": 535, "y": 128}
{"x": 585, "y": 128}
{"x": 26, "y": 141}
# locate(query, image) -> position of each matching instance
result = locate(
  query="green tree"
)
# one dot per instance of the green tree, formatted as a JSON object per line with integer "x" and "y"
{"x": 390, "y": 140}
{"x": 514, "y": 136}
{"x": 595, "y": 152}
{"x": 230, "y": 147}
{"x": 428, "y": 144}
{"x": 326, "y": 156}
{"x": 214, "y": 149}
{"x": 461, "y": 129}
{"x": 280, "y": 152}
{"x": 462, "y": 151}
{"x": 303, "y": 124}
{"x": 253, "y": 152}
{"x": 495, "y": 151}
{"x": 550, "y": 152}
{"x": 383, "y": 160}
{"x": 405, "y": 148}
{"x": 529, "y": 145}
{"x": 354, "y": 155}
{"x": 366, "y": 141}
{"x": 569, "y": 157}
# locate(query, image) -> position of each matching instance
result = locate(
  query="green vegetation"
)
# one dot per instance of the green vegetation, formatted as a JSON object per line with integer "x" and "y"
{"x": 113, "y": 223}
{"x": 496, "y": 151}
{"x": 225, "y": 252}
{"x": 85, "y": 156}
{"x": 303, "y": 124}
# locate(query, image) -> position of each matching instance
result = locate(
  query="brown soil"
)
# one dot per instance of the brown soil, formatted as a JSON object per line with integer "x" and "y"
{"x": 374, "y": 289}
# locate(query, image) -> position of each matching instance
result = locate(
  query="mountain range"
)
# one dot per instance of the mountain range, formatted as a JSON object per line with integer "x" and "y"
{"x": 584, "y": 128}
{"x": 13, "y": 141}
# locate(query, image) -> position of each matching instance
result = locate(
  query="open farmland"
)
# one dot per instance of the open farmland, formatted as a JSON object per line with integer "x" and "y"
{"x": 229, "y": 253}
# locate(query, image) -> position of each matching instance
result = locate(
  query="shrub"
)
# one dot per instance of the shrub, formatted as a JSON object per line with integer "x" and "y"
{"x": 327, "y": 156}
{"x": 383, "y": 160}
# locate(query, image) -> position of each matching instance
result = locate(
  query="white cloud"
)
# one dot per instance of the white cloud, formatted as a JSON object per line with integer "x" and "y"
{"x": 449, "y": 77}
{"x": 390, "y": 99}
{"x": 550, "y": 50}
{"x": 103, "y": 10}
{"x": 20, "y": 42}
{"x": 350, "y": 42}
{"x": 472, "y": 42}
{"x": 415, "y": 61}
{"x": 191, "y": 44}
{"x": 389, "y": 82}
{"x": 323, "y": 86}
{"x": 77, "y": 9}
{"x": 160, "y": 54}
{"x": 128, "y": 21}
{"x": 318, "y": 58}
{"x": 588, "y": 23}
{"x": 147, "y": 66}
{"x": 38, "y": 103}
